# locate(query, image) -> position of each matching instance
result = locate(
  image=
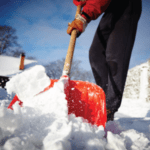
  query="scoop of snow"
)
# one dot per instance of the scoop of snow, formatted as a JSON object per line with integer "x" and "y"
{"x": 28, "y": 83}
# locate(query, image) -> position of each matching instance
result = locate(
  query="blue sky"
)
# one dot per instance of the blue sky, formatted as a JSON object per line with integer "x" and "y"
{"x": 41, "y": 29}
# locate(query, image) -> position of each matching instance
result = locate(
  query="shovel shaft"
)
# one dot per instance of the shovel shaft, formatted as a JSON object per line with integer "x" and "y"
{"x": 69, "y": 56}
{"x": 78, "y": 11}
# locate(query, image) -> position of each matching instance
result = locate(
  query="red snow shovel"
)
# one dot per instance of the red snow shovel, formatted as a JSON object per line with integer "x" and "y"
{"x": 85, "y": 99}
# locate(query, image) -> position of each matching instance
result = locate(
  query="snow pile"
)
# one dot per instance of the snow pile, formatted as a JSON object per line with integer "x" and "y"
{"x": 137, "y": 83}
{"x": 29, "y": 83}
{"x": 133, "y": 83}
{"x": 43, "y": 122}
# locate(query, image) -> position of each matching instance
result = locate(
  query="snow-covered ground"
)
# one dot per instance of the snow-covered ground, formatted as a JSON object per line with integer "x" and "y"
{"x": 10, "y": 65}
{"x": 43, "y": 122}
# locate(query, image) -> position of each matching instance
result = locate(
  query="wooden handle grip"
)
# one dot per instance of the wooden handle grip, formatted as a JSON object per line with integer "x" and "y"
{"x": 69, "y": 56}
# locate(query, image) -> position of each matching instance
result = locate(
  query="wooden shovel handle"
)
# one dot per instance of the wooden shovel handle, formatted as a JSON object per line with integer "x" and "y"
{"x": 69, "y": 56}
{"x": 78, "y": 11}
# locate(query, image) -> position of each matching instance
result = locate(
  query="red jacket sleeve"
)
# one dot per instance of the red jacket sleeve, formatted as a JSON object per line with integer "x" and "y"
{"x": 94, "y": 8}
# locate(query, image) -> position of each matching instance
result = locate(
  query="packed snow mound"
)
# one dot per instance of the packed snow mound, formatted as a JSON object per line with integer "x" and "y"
{"x": 43, "y": 122}
{"x": 36, "y": 78}
{"x": 137, "y": 83}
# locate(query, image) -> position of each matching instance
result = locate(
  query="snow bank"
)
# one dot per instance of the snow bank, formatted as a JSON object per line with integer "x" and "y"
{"x": 43, "y": 122}
{"x": 137, "y": 83}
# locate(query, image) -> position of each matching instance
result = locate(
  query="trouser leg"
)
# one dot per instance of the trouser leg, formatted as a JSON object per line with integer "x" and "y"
{"x": 112, "y": 46}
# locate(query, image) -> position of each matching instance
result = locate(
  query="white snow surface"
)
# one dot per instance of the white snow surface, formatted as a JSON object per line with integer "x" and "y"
{"x": 10, "y": 65}
{"x": 43, "y": 122}
{"x": 28, "y": 83}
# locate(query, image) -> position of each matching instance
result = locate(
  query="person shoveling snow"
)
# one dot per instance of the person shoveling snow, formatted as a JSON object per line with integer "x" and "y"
{"x": 112, "y": 44}
{"x": 43, "y": 121}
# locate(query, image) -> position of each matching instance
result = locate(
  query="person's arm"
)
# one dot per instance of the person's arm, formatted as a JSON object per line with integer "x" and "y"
{"x": 92, "y": 9}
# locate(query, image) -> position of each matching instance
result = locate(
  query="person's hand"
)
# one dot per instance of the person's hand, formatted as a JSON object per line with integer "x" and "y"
{"x": 79, "y": 24}
{"x": 79, "y": 2}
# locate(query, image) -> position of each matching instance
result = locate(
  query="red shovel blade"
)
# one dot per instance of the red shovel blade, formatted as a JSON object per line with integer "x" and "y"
{"x": 85, "y": 100}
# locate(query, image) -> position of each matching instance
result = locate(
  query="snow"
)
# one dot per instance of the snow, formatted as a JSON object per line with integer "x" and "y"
{"x": 144, "y": 83}
{"x": 137, "y": 83}
{"x": 43, "y": 122}
{"x": 10, "y": 65}
{"x": 36, "y": 78}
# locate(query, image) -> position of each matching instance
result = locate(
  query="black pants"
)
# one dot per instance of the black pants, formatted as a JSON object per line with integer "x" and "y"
{"x": 111, "y": 48}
